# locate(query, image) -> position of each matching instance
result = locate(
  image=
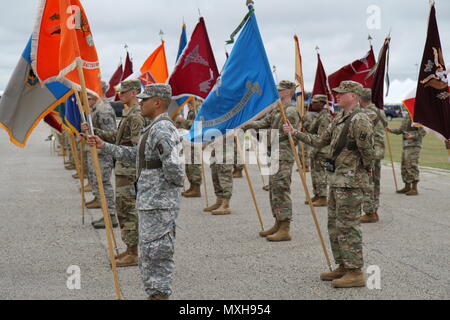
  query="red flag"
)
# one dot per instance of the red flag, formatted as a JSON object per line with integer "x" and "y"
{"x": 378, "y": 82}
{"x": 196, "y": 71}
{"x": 432, "y": 104}
{"x": 62, "y": 36}
{"x": 360, "y": 71}
{"x": 114, "y": 81}
{"x": 52, "y": 122}
{"x": 128, "y": 70}
{"x": 321, "y": 85}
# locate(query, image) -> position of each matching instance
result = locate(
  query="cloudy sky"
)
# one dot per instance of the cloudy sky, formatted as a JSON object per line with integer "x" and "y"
{"x": 339, "y": 28}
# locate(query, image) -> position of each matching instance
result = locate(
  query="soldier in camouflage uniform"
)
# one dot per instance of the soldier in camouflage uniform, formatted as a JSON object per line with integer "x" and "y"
{"x": 308, "y": 121}
{"x": 193, "y": 168}
{"x": 280, "y": 182}
{"x": 350, "y": 137}
{"x": 318, "y": 156}
{"x": 372, "y": 194}
{"x": 160, "y": 179}
{"x": 412, "y": 144}
{"x": 222, "y": 176}
{"x": 237, "y": 167}
{"x": 103, "y": 118}
{"x": 128, "y": 134}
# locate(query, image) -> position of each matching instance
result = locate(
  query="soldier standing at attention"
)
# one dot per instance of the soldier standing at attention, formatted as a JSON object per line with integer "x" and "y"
{"x": 103, "y": 118}
{"x": 308, "y": 120}
{"x": 412, "y": 144}
{"x": 160, "y": 174}
{"x": 128, "y": 134}
{"x": 193, "y": 168}
{"x": 318, "y": 156}
{"x": 280, "y": 182}
{"x": 350, "y": 136}
{"x": 371, "y": 201}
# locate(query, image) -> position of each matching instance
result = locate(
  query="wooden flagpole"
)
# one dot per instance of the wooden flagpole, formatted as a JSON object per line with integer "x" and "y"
{"x": 249, "y": 181}
{"x": 388, "y": 139}
{"x": 305, "y": 187}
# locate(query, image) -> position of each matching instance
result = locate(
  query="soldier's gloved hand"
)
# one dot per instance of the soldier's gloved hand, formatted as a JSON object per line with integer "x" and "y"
{"x": 388, "y": 129}
{"x": 447, "y": 144}
{"x": 288, "y": 128}
{"x": 84, "y": 126}
{"x": 95, "y": 141}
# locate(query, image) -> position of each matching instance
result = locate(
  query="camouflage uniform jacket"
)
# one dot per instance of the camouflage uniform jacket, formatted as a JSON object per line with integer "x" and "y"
{"x": 379, "y": 123}
{"x": 317, "y": 127}
{"x": 157, "y": 188}
{"x": 352, "y": 165}
{"x": 128, "y": 134}
{"x": 187, "y": 124}
{"x": 275, "y": 121}
{"x": 308, "y": 120}
{"x": 103, "y": 117}
{"x": 407, "y": 129}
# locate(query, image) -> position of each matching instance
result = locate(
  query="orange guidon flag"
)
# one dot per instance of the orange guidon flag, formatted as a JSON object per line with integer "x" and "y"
{"x": 154, "y": 69}
{"x": 61, "y": 37}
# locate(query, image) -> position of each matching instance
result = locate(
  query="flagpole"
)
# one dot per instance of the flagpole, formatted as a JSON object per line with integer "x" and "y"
{"x": 388, "y": 139}
{"x": 305, "y": 187}
{"x": 249, "y": 181}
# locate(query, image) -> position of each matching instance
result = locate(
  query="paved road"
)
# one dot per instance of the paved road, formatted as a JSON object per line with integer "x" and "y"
{"x": 41, "y": 235}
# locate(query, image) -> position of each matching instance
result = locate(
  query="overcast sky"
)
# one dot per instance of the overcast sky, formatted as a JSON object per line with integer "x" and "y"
{"x": 338, "y": 28}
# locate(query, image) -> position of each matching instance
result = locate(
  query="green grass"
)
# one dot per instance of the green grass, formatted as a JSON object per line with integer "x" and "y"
{"x": 433, "y": 152}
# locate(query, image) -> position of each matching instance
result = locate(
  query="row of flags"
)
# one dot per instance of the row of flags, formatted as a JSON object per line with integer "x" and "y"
{"x": 59, "y": 53}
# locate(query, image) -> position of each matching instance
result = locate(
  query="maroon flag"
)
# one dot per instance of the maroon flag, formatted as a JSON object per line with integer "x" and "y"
{"x": 114, "y": 81}
{"x": 321, "y": 83}
{"x": 196, "y": 71}
{"x": 128, "y": 70}
{"x": 378, "y": 82}
{"x": 432, "y": 105}
{"x": 358, "y": 70}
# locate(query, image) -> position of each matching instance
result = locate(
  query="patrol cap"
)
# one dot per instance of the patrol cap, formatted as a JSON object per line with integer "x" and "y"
{"x": 366, "y": 94}
{"x": 156, "y": 90}
{"x": 319, "y": 98}
{"x": 349, "y": 86}
{"x": 129, "y": 85}
{"x": 286, "y": 85}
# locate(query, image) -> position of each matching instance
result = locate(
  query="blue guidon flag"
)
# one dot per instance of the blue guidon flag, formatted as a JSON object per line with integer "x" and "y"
{"x": 26, "y": 102}
{"x": 245, "y": 90}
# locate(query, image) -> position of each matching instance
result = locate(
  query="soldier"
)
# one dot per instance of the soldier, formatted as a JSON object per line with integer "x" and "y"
{"x": 130, "y": 128}
{"x": 371, "y": 201}
{"x": 280, "y": 182}
{"x": 103, "y": 118}
{"x": 308, "y": 120}
{"x": 193, "y": 168}
{"x": 412, "y": 144}
{"x": 160, "y": 179}
{"x": 318, "y": 156}
{"x": 350, "y": 136}
{"x": 222, "y": 176}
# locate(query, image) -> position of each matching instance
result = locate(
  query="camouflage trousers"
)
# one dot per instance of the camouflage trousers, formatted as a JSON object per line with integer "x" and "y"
{"x": 126, "y": 209}
{"x": 194, "y": 173}
{"x": 344, "y": 211}
{"x": 106, "y": 166}
{"x": 280, "y": 192}
{"x": 222, "y": 176}
{"x": 410, "y": 164}
{"x": 371, "y": 201}
{"x": 319, "y": 176}
{"x": 306, "y": 152}
{"x": 156, "y": 250}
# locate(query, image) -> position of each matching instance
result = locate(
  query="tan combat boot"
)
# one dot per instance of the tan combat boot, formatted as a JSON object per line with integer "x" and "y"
{"x": 413, "y": 191}
{"x": 70, "y": 167}
{"x": 405, "y": 189}
{"x": 320, "y": 202}
{"x": 95, "y": 204}
{"x": 282, "y": 234}
{"x": 130, "y": 259}
{"x": 187, "y": 191}
{"x": 76, "y": 176}
{"x": 271, "y": 231}
{"x": 158, "y": 297}
{"x": 194, "y": 193}
{"x": 223, "y": 209}
{"x": 214, "y": 206}
{"x": 352, "y": 278}
{"x": 266, "y": 188}
{"x": 92, "y": 201}
{"x": 369, "y": 218}
{"x": 312, "y": 199}
{"x": 237, "y": 173}
{"x": 332, "y": 275}
{"x": 87, "y": 188}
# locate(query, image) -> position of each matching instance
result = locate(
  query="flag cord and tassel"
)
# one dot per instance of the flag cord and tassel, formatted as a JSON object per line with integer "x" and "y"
{"x": 249, "y": 181}
{"x": 305, "y": 187}
{"x": 106, "y": 216}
